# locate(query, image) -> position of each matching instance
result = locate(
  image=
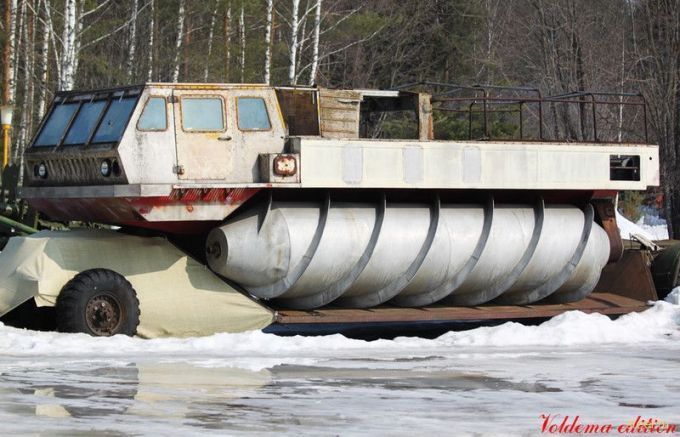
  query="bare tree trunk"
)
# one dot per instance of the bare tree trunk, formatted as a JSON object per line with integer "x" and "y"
{"x": 185, "y": 48}
{"x": 657, "y": 47}
{"x": 132, "y": 43}
{"x": 43, "y": 64}
{"x": 619, "y": 135}
{"x": 242, "y": 38}
{"x": 227, "y": 44}
{"x": 268, "y": 43}
{"x": 211, "y": 34}
{"x": 26, "y": 125}
{"x": 302, "y": 40}
{"x": 294, "y": 43}
{"x": 315, "y": 49}
{"x": 9, "y": 52}
{"x": 78, "y": 40}
{"x": 19, "y": 39}
{"x": 28, "y": 49}
{"x": 53, "y": 39}
{"x": 68, "y": 39}
{"x": 152, "y": 31}
{"x": 178, "y": 41}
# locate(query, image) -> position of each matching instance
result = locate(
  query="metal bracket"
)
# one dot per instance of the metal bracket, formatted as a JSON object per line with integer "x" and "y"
{"x": 606, "y": 213}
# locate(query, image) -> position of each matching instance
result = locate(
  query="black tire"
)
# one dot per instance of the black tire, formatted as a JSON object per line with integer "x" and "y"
{"x": 98, "y": 302}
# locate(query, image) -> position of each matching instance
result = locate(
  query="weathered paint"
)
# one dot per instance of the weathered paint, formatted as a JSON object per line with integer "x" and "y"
{"x": 359, "y": 163}
{"x": 154, "y": 163}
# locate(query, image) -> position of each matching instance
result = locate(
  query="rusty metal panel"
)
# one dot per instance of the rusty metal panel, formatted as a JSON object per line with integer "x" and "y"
{"x": 606, "y": 213}
{"x": 604, "y": 303}
{"x": 300, "y": 110}
{"x": 630, "y": 276}
{"x": 339, "y": 113}
{"x": 280, "y": 167}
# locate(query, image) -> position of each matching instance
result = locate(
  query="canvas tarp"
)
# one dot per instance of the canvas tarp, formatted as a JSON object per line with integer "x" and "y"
{"x": 178, "y": 295}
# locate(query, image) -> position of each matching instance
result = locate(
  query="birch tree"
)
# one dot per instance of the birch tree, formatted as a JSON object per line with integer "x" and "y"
{"x": 227, "y": 43}
{"x": 268, "y": 42}
{"x": 152, "y": 31}
{"x": 294, "y": 29}
{"x": 132, "y": 37}
{"x": 28, "y": 51}
{"x": 315, "y": 43}
{"x": 211, "y": 34}
{"x": 302, "y": 38}
{"x": 68, "y": 40}
{"x": 178, "y": 41}
{"x": 9, "y": 52}
{"x": 19, "y": 39}
{"x": 43, "y": 59}
{"x": 242, "y": 39}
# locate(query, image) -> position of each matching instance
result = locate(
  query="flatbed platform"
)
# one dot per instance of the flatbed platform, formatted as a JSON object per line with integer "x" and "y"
{"x": 603, "y": 303}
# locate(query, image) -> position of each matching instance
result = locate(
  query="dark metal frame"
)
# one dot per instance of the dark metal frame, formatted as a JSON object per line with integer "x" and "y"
{"x": 482, "y": 95}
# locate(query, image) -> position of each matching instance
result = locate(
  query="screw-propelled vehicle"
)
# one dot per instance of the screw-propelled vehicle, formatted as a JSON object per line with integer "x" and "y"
{"x": 237, "y": 207}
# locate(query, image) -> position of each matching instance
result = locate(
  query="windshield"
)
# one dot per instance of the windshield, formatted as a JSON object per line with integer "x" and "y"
{"x": 114, "y": 122}
{"x": 85, "y": 122}
{"x": 54, "y": 128}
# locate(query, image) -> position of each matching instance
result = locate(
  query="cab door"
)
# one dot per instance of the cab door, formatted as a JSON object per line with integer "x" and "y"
{"x": 257, "y": 128}
{"x": 203, "y": 143}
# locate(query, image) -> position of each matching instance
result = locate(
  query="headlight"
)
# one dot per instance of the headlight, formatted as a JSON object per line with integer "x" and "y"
{"x": 105, "y": 168}
{"x": 40, "y": 170}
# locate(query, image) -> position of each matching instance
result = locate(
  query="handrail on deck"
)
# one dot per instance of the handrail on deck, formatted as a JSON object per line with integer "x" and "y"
{"x": 446, "y": 97}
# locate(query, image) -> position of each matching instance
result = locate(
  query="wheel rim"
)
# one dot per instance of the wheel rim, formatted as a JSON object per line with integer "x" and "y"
{"x": 103, "y": 315}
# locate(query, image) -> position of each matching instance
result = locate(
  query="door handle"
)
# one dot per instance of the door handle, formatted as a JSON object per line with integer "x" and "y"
{"x": 224, "y": 138}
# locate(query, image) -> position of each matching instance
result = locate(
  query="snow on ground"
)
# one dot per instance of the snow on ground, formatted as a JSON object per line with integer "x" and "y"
{"x": 654, "y": 232}
{"x": 486, "y": 381}
{"x": 659, "y": 323}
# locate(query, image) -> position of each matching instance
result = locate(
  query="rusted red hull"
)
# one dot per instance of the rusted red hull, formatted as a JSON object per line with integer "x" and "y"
{"x": 209, "y": 206}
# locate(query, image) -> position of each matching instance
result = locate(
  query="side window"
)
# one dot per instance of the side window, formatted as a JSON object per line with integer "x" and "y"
{"x": 202, "y": 114}
{"x": 252, "y": 114}
{"x": 154, "y": 116}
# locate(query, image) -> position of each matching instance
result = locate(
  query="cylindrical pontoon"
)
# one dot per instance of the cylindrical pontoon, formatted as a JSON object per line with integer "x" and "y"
{"x": 306, "y": 255}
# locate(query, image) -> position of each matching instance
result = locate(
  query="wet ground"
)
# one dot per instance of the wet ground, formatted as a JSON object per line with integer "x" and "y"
{"x": 490, "y": 381}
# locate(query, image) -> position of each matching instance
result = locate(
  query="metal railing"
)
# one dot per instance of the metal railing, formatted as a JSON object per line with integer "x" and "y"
{"x": 488, "y": 101}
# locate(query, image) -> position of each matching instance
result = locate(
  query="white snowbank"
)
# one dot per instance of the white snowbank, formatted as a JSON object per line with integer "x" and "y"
{"x": 627, "y": 228}
{"x": 660, "y": 323}
{"x": 658, "y": 231}
{"x": 674, "y": 296}
{"x": 651, "y": 232}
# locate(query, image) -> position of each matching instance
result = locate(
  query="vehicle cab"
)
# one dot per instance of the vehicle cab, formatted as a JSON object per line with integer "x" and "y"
{"x": 155, "y": 134}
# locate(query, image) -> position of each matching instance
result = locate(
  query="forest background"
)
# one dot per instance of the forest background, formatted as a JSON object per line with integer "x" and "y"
{"x": 554, "y": 46}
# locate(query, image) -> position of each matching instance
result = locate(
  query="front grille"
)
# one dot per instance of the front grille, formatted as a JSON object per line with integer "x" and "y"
{"x": 71, "y": 170}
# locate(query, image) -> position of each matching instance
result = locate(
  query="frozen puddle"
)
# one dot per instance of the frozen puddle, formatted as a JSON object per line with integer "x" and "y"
{"x": 496, "y": 380}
